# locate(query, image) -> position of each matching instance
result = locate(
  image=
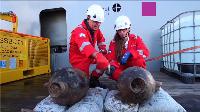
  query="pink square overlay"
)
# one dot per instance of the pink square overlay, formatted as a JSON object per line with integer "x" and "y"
{"x": 148, "y": 8}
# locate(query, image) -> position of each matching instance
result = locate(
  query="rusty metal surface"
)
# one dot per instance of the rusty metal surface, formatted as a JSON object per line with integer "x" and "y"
{"x": 135, "y": 85}
{"x": 68, "y": 86}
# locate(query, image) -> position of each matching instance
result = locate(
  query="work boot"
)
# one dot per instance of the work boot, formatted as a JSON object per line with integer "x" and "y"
{"x": 94, "y": 82}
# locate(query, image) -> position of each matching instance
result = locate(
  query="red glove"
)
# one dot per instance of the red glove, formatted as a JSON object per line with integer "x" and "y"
{"x": 115, "y": 64}
{"x": 102, "y": 62}
{"x": 102, "y": 49}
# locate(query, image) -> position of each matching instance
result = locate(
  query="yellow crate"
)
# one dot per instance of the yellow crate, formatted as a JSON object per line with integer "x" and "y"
{"x": 23, "y": 56}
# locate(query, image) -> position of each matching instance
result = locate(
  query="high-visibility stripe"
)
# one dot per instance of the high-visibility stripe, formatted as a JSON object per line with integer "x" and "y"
{"x": 83, "y": 45}
{"x": 101, "y": 43}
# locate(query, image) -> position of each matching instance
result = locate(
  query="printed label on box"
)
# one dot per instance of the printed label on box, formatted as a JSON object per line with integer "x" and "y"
{"x": 2, "y": 63}
{"x": 12, "y": 63}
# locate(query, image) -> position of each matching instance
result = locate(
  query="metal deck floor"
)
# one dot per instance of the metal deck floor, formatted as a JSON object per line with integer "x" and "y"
{"x": 27, "y": 93}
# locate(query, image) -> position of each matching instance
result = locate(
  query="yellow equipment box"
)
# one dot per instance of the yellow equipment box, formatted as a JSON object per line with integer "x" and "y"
{"x": 22, "y": 56}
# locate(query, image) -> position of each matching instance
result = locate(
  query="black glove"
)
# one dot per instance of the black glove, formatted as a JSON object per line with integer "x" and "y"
{"x": 111, "y": 71}
{"x": 94, "y": 82}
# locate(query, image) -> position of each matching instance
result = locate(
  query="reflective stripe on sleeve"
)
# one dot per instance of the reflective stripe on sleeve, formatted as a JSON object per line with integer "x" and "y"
{"x": 101, "y": 43}
{"x": 83, "y": 45}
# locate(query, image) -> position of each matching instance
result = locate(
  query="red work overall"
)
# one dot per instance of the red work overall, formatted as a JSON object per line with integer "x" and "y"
{"x": 82, "y": 45}
{"x": 138, "y": 50}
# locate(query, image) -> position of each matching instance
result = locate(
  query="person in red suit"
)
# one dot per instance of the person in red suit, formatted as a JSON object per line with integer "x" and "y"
{"x": 126, "y": 49}
{"x": 83, "y": 40}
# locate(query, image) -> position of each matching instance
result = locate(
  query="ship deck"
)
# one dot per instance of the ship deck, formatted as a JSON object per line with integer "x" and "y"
{"x": 28, "y": 92}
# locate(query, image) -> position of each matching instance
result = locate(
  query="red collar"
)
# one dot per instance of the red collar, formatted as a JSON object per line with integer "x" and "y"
{"x": 84, "y": 25}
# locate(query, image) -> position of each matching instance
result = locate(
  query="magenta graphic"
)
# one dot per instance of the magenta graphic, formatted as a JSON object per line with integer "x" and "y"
{"x": 148, "y": 8}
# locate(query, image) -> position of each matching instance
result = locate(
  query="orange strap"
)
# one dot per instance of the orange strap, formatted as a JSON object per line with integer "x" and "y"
{"x": 171, "y": 53}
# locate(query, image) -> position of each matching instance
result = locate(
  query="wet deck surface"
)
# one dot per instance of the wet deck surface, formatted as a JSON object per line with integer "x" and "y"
{"x": 27, "y": 93}
{"x": 188, "y": 95}
{"x": 23, "y": 94}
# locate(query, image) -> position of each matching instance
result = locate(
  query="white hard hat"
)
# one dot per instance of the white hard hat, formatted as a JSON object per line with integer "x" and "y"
{"x": 96, "y": 13}
{"x": 122, "y": 22}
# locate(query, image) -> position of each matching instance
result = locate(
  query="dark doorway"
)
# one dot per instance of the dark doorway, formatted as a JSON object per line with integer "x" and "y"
{"x": 54, "y": 26}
